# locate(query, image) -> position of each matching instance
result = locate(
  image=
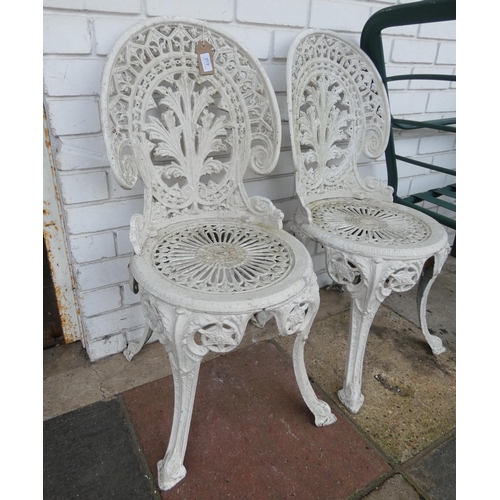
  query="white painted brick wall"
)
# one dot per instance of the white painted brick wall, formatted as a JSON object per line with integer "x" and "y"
{"x": 277, "y": 12}
{"x": 78, "y": 35}
{"x": 92, "y": 247}
{"x": 101, "y": 300}
{"x": 89, "y": 186}
{"x": 66, "y": 35}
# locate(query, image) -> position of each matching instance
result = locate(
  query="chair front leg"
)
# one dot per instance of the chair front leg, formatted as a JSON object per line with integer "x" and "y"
{"x": 369, "y": 281}
{"x": 429, "y": 274}
{"x": 297, "y": 318}
{"x": 187, "y": 337}
{"x": 185, "y": 371}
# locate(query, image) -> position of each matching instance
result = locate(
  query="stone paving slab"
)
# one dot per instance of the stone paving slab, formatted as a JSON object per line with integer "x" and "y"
{"x": 395, "y": 488}
{"x": 435, "y": 474}
{"x": 252, "y": 435}
{"x": 90, "y": 454}
{"x": 409, "y": 392}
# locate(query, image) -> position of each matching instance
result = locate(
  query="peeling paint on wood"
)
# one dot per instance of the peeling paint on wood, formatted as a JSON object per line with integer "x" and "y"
{"x": 53, "y": 234}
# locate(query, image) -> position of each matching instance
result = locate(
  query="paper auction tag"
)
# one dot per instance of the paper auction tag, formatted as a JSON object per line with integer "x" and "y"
{"x": 205, "y": 58}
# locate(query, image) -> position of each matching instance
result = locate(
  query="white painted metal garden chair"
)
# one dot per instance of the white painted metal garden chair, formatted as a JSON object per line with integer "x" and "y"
{"x": 338, "y": 110}
{"x": 207, "y": 258}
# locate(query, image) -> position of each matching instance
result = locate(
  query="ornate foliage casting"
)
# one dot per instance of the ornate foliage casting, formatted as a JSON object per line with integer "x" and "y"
{"x": 337, "y": 112}
{"x": 338, "y": 109}
{"x": 189, "y": 137}
{"x": 222, "y": 258}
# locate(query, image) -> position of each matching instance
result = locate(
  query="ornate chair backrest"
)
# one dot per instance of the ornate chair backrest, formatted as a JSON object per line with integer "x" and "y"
{"x": 338, "y": 109}
{"x": 188, "y": 136}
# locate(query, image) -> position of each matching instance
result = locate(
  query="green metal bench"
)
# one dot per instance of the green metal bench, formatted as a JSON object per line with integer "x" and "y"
{"x": 422, "y": 12}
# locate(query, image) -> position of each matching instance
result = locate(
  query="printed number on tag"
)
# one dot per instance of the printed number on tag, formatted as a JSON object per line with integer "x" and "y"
{"x": 206, "y": 62}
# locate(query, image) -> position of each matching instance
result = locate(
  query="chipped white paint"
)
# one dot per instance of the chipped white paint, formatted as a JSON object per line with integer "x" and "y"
{"x": 338, "y": 110}
{"x": 57, "y": 250}
{"x": 207, "y": 258}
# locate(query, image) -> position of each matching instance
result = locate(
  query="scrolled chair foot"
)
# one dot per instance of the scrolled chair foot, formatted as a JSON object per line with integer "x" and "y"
{"x": 352, "y": 403}
{"x": 132, "y": 349}
{"x": 168, "y": 478}
{"x": 323, "y": 415}
{"x": 436, "y": 344}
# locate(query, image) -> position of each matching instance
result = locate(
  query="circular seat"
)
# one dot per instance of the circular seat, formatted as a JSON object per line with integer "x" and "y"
{"x": 375, "y": 227}
{"x": 221, "y": 262}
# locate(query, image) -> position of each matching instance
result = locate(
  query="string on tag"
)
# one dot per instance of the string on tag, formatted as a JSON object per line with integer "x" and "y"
{"x": 205, "y": 55}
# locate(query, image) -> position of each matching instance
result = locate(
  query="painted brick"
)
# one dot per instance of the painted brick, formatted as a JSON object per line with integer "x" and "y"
{"x": 408, "y": 171}
{"x": 447, "y": 160}
{"x": 414, "y": 51}
{"x": 273, "y": 188}
{"x": 129, "y": 297}
{"x": 406, "y": 147}
{"x": 66, "y": 35}
{"x": 214, "y": 10}
{"x": 426, "y": 182}
{"x": 285, "y": 164}
{"x": 283, "y": 111}
{"x": 399, "y": 69}
{"x": 100, "y": 301}
{"x": 84, "y": 187}
{"x": 123, "y": 242}
{"x": 280, "y": 12}
{"x": 125, "y": 6}
{"x": 93, "y": 218}
{"x": 92, "y": 247}
{"x": 115, "y": 322}
{"x": 118, "y": 192}
{"x": 324, "y": 279}
{"x": 400, "y": 104}
{"x": 100, "y": 348}
{"x": 340, "y": 16}
{"x": 256, "y": 40}
{"x": 442, "y": 102}
{"x": 108, "y": 30}
{"x": 64, "y": 4}
{"x": 447, "y": 53}
{"x": 282, "y": 42}
{"x": 446, "y": 30}
{"x": 74, "y": 153}
{"x": 431, "y": 84}
{"x": 135, "y": 335}
{"x": 70, "y": 77}
{"x": 401, "y": 31}
{"x": 277, "y": 75}
{"x": 286, "y": 141}
{"x": 103, "y": 273}
{"x": 436, "y": 144}
{"x": 70, "y": 117}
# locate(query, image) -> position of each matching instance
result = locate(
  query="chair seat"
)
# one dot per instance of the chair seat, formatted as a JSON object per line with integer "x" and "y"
{"x": 375, "y": 227}
{"x": 220, "y": 262}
